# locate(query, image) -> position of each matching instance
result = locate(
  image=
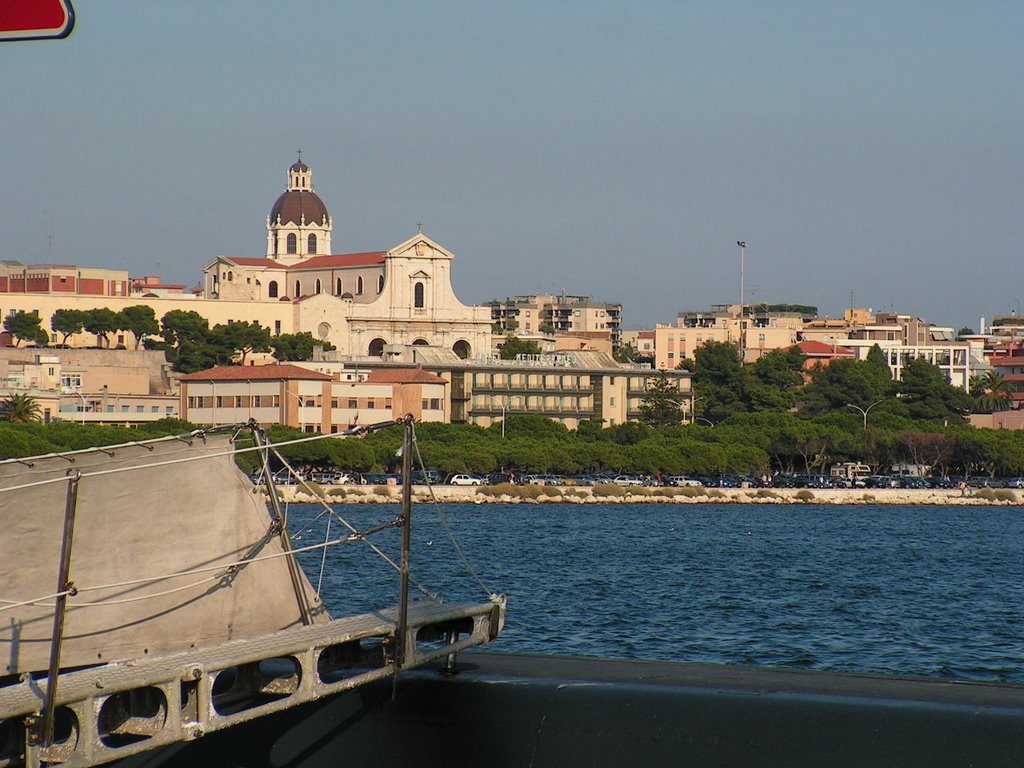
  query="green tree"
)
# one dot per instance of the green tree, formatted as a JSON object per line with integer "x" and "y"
{"x": 26, "y": 326}
{"x": 773, "y": 381}
{"x": 928, "y": 396}
{"x": 242, "y": 338}
{"x": 102, "y": 322}
{"x": 67, "y": 322}
{"x": 141, "y": 321}
{"x": 296, "y": 346}
{"x": 19, "y": 409}
{"x": 661, "y": 403}
{"x": 515, "y": 346}
{"x": 718, "y": 380}
{"x": 178, "y": 325}
{"x": 846, "y": 382}
{"x": 963, "y": 333}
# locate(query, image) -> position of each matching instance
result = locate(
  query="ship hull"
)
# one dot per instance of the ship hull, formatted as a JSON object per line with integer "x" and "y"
{"x": 508, "y": 710}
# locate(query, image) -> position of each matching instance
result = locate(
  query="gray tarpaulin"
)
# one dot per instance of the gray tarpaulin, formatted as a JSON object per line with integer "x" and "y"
{"x": 157, "y": 519}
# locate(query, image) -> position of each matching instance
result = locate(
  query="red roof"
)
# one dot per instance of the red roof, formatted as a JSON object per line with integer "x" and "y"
{"x": 821, "y": 349}
{"x": 255, "y": 373}
{"x": 341, "y": 260}
{"x": 403, "y": 376}
{"x": 245, "y": 261}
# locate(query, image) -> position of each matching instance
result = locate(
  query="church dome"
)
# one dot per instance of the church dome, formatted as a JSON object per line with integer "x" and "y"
{"x": 294, "y": 204}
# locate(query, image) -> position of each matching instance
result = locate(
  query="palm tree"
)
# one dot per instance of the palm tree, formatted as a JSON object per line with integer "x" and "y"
{"x": 19, "y": 409}
{"x": 991, "y": 392}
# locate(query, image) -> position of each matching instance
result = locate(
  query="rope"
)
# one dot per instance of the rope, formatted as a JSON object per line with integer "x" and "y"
{"x": 354, "y": 533}
{"x": 8, "y": 605}
{"x": 444, "y": 520}
{"x": 132, "y": 468}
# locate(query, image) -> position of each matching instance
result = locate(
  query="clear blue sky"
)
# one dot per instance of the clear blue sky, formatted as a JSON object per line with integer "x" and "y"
{"x": 871, "y": 149}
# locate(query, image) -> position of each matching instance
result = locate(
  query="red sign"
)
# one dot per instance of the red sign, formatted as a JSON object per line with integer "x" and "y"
{"x": 35, "y": 19}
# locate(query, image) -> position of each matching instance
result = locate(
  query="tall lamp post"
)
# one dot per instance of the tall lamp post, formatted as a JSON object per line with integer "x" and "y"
{"x": 743, "y": 339}
{"x": 68, "y": 390}
{"x": 864, "y": 411}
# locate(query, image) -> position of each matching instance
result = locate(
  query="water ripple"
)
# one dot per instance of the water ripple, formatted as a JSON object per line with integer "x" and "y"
{"x": 933, "y": 591}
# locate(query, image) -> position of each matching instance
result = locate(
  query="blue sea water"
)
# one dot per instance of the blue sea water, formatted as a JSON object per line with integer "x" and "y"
{"x": 933, "y": 591}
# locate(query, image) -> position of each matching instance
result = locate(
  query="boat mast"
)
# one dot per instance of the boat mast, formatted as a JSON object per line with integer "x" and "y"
{"x": 403, "y": 604}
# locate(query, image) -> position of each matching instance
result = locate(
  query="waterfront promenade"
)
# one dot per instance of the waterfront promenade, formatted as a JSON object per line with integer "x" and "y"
{"x": 584, "y": 495}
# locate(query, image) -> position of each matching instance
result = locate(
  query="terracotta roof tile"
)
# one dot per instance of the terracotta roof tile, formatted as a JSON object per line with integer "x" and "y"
{"x": 245, "y": 261}
{"x": 341, "y": 260}
{"x": 403, "y": 376}
{"x": 255, "y": 373}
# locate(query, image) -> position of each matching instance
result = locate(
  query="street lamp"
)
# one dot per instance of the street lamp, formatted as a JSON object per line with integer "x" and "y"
{"x": 743, "y": 252}
{"x": 68, "y": 390}
{"x": 503, "y": 408}
{"x": 701, "y": 418}
{"x": 864, "y": 411}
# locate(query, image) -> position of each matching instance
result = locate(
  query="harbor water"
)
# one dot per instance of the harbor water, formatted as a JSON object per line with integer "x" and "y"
{"x": 924, "y": 590}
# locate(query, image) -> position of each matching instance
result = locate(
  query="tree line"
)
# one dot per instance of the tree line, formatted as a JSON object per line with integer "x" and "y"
{"x": 188, "y": 341}
{"x": 746, "y": 443}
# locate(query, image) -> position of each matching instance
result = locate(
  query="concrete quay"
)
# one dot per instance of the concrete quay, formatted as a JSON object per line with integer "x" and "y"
{"x": 583, "y": 495}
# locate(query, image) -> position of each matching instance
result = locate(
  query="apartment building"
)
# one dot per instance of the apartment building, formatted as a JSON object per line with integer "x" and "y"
{"x": 558, "y": 314}
{"x": 310, "y": 399}
{"x": 565, "y": 386}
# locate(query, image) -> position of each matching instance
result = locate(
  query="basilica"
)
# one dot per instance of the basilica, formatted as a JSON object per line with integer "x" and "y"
{"x": 362, "y": 303}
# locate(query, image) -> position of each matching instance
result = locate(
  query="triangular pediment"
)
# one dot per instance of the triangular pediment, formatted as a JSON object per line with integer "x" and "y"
{"x": 419, "y": 274}
{"x": 419, "y": 246}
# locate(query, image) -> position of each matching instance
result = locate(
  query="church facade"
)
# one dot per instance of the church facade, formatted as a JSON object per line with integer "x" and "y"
{"x": 362, "y": 303}
{"x": 359, "y": 302}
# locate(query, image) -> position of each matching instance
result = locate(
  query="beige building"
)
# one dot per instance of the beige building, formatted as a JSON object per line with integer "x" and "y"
{"x": 310, "y": 399}
{"x": 760, "y": 330}
{"x": 558, "y": 314}
{"x": 568, "y": 387}
{"x": 93, "y": 386}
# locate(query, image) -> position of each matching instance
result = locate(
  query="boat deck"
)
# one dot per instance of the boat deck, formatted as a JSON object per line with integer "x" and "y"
{"x": 120, "y": 709}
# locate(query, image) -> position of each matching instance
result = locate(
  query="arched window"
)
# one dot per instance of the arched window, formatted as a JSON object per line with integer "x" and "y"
{"x": 293, "y": 243}
{"x": 420, "y": 343}
{"x": 380, "y": 284}
{"x": 418, "y": 296}
{"x": 461, "y": 348}
{"x": 298, "y": 289}
{"x": 311, "y": 244}
{"x": 376, "y": 348}
{"x": 272, "y": 289}
{"x": 318, "y": 286}
{"x": 359, "y": 286}
{"x": 340, "y": 285}
{"x": 231, "y": 276}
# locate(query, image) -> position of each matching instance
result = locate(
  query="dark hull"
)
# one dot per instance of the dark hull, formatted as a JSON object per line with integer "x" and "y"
{"x": 550, "y": 712}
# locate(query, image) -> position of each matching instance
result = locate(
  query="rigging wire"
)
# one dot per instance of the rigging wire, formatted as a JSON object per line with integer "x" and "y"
{"x": 353, "y": 536}
{"x": 444, "y": 519}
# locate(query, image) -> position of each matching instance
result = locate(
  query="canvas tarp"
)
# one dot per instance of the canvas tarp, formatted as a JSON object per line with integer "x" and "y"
{"x": 164, "y": 516}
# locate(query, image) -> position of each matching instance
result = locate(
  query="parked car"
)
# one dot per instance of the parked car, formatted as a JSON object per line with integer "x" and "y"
{"x": 628, "y": 480}
{"x": 465, "y": 480}
{"x": 682, "y": 481}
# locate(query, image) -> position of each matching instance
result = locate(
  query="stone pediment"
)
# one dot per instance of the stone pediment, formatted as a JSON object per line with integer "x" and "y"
{"x": 419, "y": 274}
{"x": 420, "y": 247}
